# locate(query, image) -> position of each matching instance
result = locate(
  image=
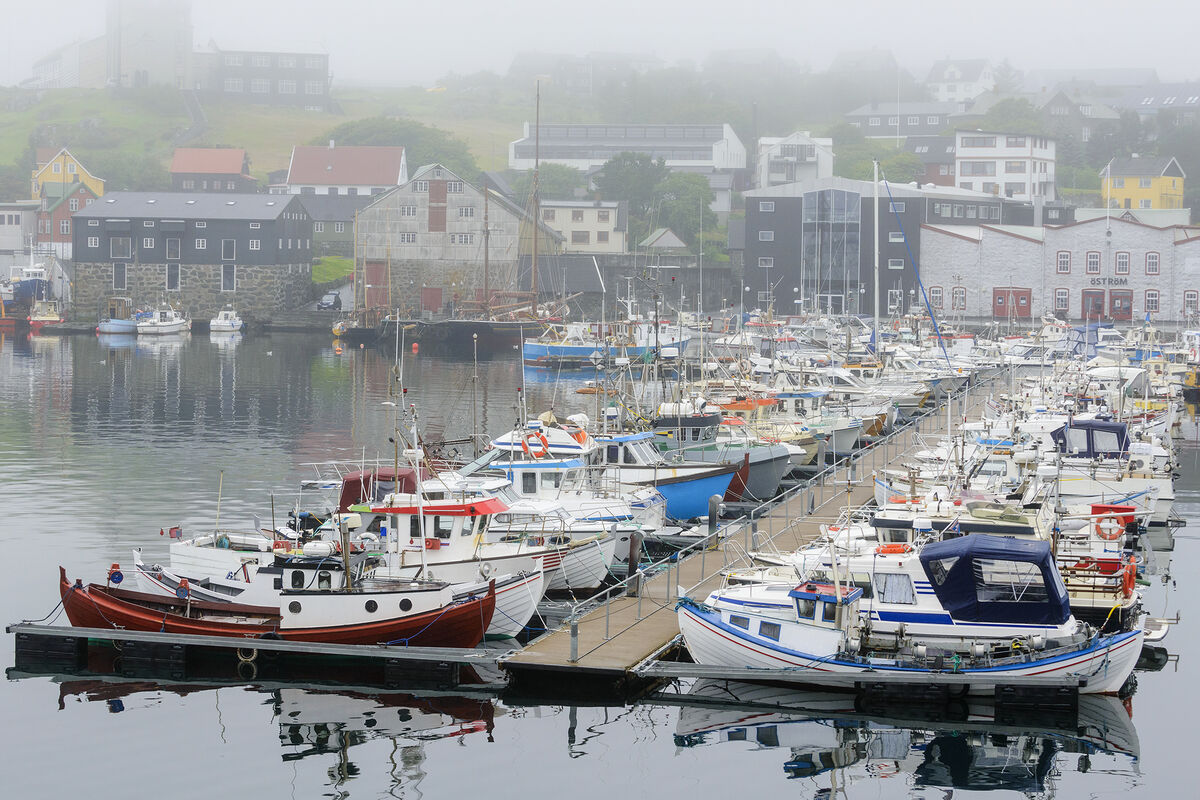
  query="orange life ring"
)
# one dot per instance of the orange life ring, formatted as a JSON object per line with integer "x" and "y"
{"x": 539, "y": 437}
{"x": 1129, "y": 579}
{"x": 896, "y": 498}
{"x": 895, "y": 324}
{"x": 1109, "y": 534}
{"x": 891, "y": 549}
{"x": 580, "y": 436}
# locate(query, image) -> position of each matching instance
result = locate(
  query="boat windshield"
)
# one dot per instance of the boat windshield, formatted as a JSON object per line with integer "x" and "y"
{"x": 481, "y": 462}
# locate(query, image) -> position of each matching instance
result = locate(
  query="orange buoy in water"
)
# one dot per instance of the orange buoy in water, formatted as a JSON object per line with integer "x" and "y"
{"x": 415, "y": 348}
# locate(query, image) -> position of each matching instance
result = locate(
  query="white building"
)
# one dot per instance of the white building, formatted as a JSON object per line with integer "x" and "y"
{"x": 587, "y": 226}
{"x": 344, "y": 170}
{"x": 1012, "y": 165}
{"x": 796, "y": 157}
{"x": 960, "y": 80}
{"x": 1115, "y": 270}
{"x": 693, "y": 148}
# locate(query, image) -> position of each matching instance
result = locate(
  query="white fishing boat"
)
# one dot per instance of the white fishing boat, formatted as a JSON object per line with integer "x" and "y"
{"x": 118, "y": 318}
{"x": 226, "y": 321}
{"x": 164, "y": 320}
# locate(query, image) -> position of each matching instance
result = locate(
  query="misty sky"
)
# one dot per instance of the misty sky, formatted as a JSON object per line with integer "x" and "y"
{"x": 405, "y": 42}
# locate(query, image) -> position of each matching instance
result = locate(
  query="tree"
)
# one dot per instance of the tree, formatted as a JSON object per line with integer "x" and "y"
{"x": 632, "y": 177}
{"x": 422, "y": 143}
{"x": 1008, "y": 79}
{"x": 682, "y": 199}
{"x": 555, "y": 182}
{"x": 125, "y": 172}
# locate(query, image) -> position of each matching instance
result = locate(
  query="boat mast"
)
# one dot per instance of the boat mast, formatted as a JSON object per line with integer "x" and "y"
{"x": 875, "y": 300}
{"x": 487, "y": 295}
{"x": 537, "y": 139}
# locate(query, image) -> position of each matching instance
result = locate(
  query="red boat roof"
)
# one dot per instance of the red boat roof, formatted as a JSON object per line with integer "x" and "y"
{"x": 476, "y": 508}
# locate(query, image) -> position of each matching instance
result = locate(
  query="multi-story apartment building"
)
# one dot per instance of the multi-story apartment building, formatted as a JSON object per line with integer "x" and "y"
{"x": 587, "y": 226}
{"x": 795, "y": 157}
{"x": 1016, "y": 166}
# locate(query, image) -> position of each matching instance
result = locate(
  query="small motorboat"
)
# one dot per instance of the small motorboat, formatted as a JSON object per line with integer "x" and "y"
{"x": 44, "y": 312}
{"x": 226, "y": 321}
{"x": 310, "y": 608}
{"x": 118, "y": 318}
{"x": 163, "y": 321}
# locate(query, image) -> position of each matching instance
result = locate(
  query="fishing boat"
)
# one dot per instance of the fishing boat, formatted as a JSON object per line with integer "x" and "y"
{"x": 118, "y": 318}
{"x": 420, "y": 614}
{"x": 580, "y": 343}
{"x": 226, "y": 321}
{"x": 164, "y": 320}
{"x": 1001, "y": 611}
{"x": 43, "y": 313}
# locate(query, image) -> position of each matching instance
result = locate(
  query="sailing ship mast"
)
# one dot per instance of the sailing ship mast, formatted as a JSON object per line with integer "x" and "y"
{"x": 537, "y": 138}
{"x": 487, "y": 295}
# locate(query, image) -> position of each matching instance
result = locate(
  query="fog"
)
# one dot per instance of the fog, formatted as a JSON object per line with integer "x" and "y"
{"x": 406, "y": 43}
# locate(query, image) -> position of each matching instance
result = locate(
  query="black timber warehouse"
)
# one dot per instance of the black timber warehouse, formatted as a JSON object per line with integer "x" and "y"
{"x": 196, "y": 251}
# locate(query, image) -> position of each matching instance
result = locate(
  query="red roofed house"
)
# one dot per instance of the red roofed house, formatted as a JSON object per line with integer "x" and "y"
{"x": 211, "y": 169}
{"x": 345, "y": 170}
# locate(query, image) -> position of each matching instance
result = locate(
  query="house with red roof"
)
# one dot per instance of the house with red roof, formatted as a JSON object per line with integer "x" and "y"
{"x": 345, "y": 170}
{"x": 211, "y": 169}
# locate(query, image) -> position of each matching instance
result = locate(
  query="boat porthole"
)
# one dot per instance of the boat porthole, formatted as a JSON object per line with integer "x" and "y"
{"x": 294, "y": 607}
{"x": 406, "y": 604}
{"x": 372, "y": 606}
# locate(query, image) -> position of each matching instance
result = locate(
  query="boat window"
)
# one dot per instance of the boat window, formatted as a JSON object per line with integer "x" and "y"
{"x": 324, "y": 579}
{"x": 1077, "y": 440}
{"x": 894, "y": 588}
{"x": 414, "y": 527}
{"x": 482, "y": 461}
{"x": 443, "y": 527}
{"x": 610, "y": 454}
{"x": 829, "y": 612}
{"x": 769, "y": 630}
{"x": 805, "y": 607}
{"x": 1008, "y": 581}
{"x": 297, "y": 579}
{"x": 508, "y": 495}
{"x": 938, "y": 569}
{"x": 528, "y": 483}
{"x": 1106, "y": 441}
{"x": 551, "y": 479}
{"x": 739, "y": 621}
{"x": 481, "y": 524}
{"x": 628, "y": 456}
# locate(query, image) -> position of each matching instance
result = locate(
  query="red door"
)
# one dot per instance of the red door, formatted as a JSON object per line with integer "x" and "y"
{"x": 1012, "y": 301}
{"x": 1120, "y": 305}
{"x": 1093, "y": 303}
{"x": 431, "y": 299}
{"x": 375, "y": 280}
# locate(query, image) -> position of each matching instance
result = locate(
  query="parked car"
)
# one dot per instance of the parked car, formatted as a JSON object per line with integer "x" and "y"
{"x": 332, "y": 301}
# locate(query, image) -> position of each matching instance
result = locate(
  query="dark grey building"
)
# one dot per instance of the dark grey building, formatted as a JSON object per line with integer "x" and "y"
{"x": 198, "y": 251}
{"x": 255, "y": 76}
{"x": 333, "y": 221}
{"x": 881, "y": 120}
{"x": 812, "y": 245}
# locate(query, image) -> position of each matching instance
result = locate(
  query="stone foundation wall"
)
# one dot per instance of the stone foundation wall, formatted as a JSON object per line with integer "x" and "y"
{"x": 262, "y": 290}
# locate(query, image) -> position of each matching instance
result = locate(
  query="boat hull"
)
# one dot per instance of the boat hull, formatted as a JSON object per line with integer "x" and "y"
{"x": 127, "y": 327}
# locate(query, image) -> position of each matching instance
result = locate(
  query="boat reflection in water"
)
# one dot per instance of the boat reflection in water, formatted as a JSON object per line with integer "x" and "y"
{"x": 972, "y": 743}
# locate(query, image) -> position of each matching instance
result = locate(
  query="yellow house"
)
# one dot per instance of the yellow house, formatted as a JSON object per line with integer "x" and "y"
{"x": 59, "y": 169}
{"x": 1139, "y": 182}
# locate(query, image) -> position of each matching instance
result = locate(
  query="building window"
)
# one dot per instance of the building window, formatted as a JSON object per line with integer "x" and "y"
{"x": 547, "y": 214}
{"x": 1093, "y": 263}
{"x": 408, "y": 238}
{"x": 958, "y": 299}
{"x": 411, "y": 211}
{"x": 766, "y": 262}
{"x": 1064, "y": 262}
{"x": 93, "y": 241}
{"x": 914, "y": 120}
{"x": 147, "y": 243}
{"x": 189, "y": 184}
{"x": 1011, "y": 167}
{"x": 228, "y": 249}
{"x": 766, "y": 236}
{"x": 421, "y": 186}
{"x": 64, "y": 226}
{"x": 256, "y": 244}
{"x": 260, "y": 86}
{"x": 57, "y": 168}
{"x": 228, "y": 277}
{"x": 895, "y": 263}
{"x": 1145, "y": 183}
{"x": 1152, "y": 301}
{"x": 313, "y": 87}
{"x": 580, "y": 237}
{"x": 172, "y": 277}
{"x": 1118, "y": 183}
{"x": 201, "y": 224}
{"x": 312, "y": 62}
{"x": 466, "y": 212}
{"x": 255, "y": 226}
{"x": 896, "y": 236}
{"x": 233, "y": 84}
{"x": 1122, "y": 263}
{"x": 70, "y": 167}
{"x": 202, "y": 244}
{"x": 978, "y": 141}
{"x": 233, "y": 61}
{"x": 287, "y": 87}
{"x": 766, "y": 206}
{"x": 577, "y": 216}
{"x": 92, "y": 223}
{"x": 1151, "y": 263}
{"x": 119, "y": 276}
{"x": 894, "y": 120}
{"x": 74, "y": 204}
{"x": 120, "y": 247}
{"x": 601, "y": 237}
{"x": 318, "y": 227}
{"x": 931, "y": 121}
{"x": 1145, "y": 204}
{"x": 462, "y": 238}
{"x": 1191, "y": 300}
{"x": 1014, "y": 141}
{"x": 897, "y": 207}
{"x": 339, "y": 227}
{"x": 935, "y": 296}
{"x": 454, "y": 187}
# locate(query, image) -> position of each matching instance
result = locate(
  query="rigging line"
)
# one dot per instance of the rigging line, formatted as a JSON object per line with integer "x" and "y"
{"x": 917, "y": 272}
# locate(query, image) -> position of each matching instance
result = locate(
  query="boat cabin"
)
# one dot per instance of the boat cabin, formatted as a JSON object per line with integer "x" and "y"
{"x": 825, "y": 605}
{"x": 418, "y": 523}
{"x": 371, "y": 486}
{"x": 1092, "y": 439}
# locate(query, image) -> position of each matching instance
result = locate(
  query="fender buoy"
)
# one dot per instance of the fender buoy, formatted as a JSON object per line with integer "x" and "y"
{"x": 542, "y": 444}
{"x": 1128, "y": 579}
{"x": 1109, "y": 528}
{"x": 890, "y": 549}
{"x": 433, "y": 544}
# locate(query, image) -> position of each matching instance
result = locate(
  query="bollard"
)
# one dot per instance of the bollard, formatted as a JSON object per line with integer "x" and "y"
{"x": 574, "y": 640}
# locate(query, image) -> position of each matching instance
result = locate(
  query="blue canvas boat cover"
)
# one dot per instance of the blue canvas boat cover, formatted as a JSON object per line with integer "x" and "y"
{"x": 996, "y": 579}
{"x": 1092, "y": 438}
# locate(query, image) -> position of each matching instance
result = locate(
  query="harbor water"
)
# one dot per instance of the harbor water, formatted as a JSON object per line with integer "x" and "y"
{"x": 107, "y": 442}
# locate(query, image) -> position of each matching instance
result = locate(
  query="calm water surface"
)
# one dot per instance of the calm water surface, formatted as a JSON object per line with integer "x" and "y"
{"x": 103, "y": 443}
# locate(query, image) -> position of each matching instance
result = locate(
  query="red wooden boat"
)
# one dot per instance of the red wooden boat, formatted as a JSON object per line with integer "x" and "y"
{"x": 453, "y": 624}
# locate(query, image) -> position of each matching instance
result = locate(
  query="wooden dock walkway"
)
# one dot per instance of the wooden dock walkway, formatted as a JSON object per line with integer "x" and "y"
{"x": 609, "y": 641}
